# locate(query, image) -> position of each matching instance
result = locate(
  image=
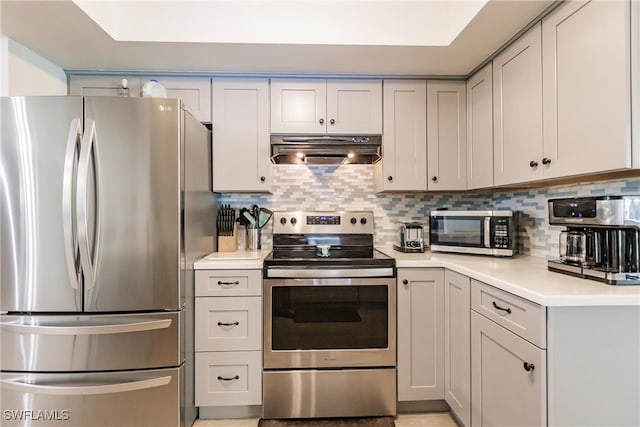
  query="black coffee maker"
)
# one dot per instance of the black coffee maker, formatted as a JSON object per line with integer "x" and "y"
{"x": 601, "y": 240}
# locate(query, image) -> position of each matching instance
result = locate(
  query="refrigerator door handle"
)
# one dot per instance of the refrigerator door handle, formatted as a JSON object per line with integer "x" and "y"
{"x": 64, "y": 390}
{"x": 71, "y": 245}
{"x": 88, "y": 149}
{"x": 87, "y": 329}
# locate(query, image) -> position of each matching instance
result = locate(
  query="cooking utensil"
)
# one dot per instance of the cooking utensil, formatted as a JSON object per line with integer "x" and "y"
{"x": 264, "y": 216}
{"x": 249, "y": 218}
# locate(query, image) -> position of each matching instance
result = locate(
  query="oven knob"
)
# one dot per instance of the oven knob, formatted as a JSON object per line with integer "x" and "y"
{"x": 363, "y": 221}
{"x": 353, "y": 220}
{"x": 293, "y": 221}
{"x": 283, "y": 220}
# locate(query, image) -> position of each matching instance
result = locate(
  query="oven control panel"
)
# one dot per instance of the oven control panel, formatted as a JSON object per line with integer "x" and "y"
{"x": 343, "y": 222}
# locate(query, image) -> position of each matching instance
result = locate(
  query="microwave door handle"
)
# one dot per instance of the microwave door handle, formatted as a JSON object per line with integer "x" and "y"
{"x": 487, "y": 232}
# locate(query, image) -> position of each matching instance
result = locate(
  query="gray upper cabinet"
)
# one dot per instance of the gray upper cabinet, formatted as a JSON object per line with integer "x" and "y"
{"x": 195, "y": 92}
{"x": 517, "y": 111}
{"x": 586, "y": 85}
{"x": 335, "y": 106}
{"x": 446, "y": 135}
{"x": 95, "y": 85}
{"x": 404, "y": 143}
{"x": 480, "y": 129}
{"x": 241, "y": 146}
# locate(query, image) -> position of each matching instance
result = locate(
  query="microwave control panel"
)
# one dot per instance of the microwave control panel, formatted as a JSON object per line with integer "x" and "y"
{"x": 501, "y": 232}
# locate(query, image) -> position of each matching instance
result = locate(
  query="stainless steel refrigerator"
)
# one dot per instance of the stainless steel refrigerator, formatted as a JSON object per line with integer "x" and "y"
{"x": 105, "y": 203}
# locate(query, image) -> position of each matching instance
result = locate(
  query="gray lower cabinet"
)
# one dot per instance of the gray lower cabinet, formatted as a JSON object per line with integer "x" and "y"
{"x": 457, "y": 345}
{"x": 508, "y": 372}
{"x": 228, "y": 338}
{"x": 420, "y": 334}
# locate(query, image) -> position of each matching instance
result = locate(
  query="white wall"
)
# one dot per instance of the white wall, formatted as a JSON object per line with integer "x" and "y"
{"x": 25, "y": 73}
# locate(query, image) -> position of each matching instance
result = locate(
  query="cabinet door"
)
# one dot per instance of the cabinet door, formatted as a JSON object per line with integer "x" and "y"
{"x": 404, "y": 144}
{"x": 298, "y": 106}
{"x": 517, "y": 111}
{"x": 241, "y": 146}
{"x": 446, "y": 135}
{"x": 506, "y": 389}
{"x": 420, "y": 334}
{"x": 586, "y": 66}
{"x": 195, "y": 92}
{"x": 457, "y": 345}
{"x": 354, "y": 107}
{"x": 480, "y": 129}
{"x": 103, "y": 85}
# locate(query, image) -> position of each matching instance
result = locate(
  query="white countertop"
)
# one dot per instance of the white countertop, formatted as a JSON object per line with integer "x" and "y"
{"x": 239, "y": 260}
{"x": 524, "y": 276}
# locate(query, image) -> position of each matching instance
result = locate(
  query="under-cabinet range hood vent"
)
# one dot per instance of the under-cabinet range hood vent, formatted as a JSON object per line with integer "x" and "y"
{"x": 323, "y": 149}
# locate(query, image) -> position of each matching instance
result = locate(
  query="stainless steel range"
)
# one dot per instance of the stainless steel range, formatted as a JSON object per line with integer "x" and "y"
{"x": 329, "y": 318}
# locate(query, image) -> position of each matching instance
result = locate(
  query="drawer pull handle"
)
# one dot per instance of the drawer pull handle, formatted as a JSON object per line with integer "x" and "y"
{"x": 529, "y": 367}
{"x": 236, "y": 283}
{"x": 497, "y": 307}
{"x": 236, "y": 323}
{"x": 228, "y": 379}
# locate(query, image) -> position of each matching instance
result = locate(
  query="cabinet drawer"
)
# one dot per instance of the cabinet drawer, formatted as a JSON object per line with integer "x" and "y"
{"x": 228, "y": 378}
{"x": 521, "y": 316}
{"x": 212, "y": 283}
{"x": 228, "y": 324}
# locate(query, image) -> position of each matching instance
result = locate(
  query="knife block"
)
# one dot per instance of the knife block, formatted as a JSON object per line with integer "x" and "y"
{"x": 229, "y": 243}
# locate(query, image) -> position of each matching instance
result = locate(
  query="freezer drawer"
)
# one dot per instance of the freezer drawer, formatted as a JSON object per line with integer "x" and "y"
{"x": 123, "y": 399}
{"x": 91, "y": 342}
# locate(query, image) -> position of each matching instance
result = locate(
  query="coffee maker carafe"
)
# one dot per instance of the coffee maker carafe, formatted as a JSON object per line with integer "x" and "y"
{"x": 601, "y": 240}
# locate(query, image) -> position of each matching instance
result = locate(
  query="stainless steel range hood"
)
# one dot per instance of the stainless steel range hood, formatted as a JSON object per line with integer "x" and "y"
{"x": 324, "y": 149}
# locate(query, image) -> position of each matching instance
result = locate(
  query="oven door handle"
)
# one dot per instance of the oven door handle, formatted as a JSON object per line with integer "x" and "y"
{"x": 313, "y": 273}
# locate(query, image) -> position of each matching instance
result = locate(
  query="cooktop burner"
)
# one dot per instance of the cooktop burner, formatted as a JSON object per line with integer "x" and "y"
{"x": 324, "y": 241}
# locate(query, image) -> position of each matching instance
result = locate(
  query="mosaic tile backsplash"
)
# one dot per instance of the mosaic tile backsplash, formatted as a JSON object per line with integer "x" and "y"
{"x": 350, "y": 187}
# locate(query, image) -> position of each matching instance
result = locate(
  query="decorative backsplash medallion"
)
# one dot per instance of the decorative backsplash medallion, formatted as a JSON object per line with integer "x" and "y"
{"x": 350, "y": 187}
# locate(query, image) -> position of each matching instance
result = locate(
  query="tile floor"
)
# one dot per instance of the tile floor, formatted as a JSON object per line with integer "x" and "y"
{"x": 434, "y": 419}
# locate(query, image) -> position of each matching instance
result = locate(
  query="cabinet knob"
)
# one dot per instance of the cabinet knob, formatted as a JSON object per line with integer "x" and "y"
{"x": 263, "y": 179}
{"x": 529, "y": 367}
{"x": 321, "y": 121}
{"x": 405, "y": 282}
{"x": 533, "y": 164}
{"x": 332, "y": 121}
{"x": 546, "y": 161}
{"x": 389, "y": 178}
{"x": 434, "y": 179}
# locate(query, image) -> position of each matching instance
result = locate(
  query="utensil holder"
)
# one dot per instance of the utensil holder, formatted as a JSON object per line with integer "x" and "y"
{"x": 253, "y": 238}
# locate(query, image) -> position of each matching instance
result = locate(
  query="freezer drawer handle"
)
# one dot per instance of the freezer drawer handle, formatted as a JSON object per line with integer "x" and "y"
{"x": 85, "y": 390}
{"x": 86, "y": 330}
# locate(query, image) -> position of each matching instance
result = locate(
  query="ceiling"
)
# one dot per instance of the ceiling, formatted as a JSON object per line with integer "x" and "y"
{"x": 61, "y": 32}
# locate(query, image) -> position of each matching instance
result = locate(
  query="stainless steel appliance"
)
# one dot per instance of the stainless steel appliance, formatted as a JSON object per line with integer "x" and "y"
{"x": 326, "y": 149}
{"x": 601, "y": 240}
{"x": 105, "y": 203}
{"x": 329, "y": 318}
{"x": 482, "y": 232}
{"x": 410, "y": 237}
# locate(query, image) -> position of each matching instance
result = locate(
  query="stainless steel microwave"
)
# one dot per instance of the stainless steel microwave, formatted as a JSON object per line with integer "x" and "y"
{"x": 488, "y": 232}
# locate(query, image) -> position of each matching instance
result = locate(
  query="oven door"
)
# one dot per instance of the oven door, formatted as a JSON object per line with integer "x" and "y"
{"x": 328, "y": 323}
